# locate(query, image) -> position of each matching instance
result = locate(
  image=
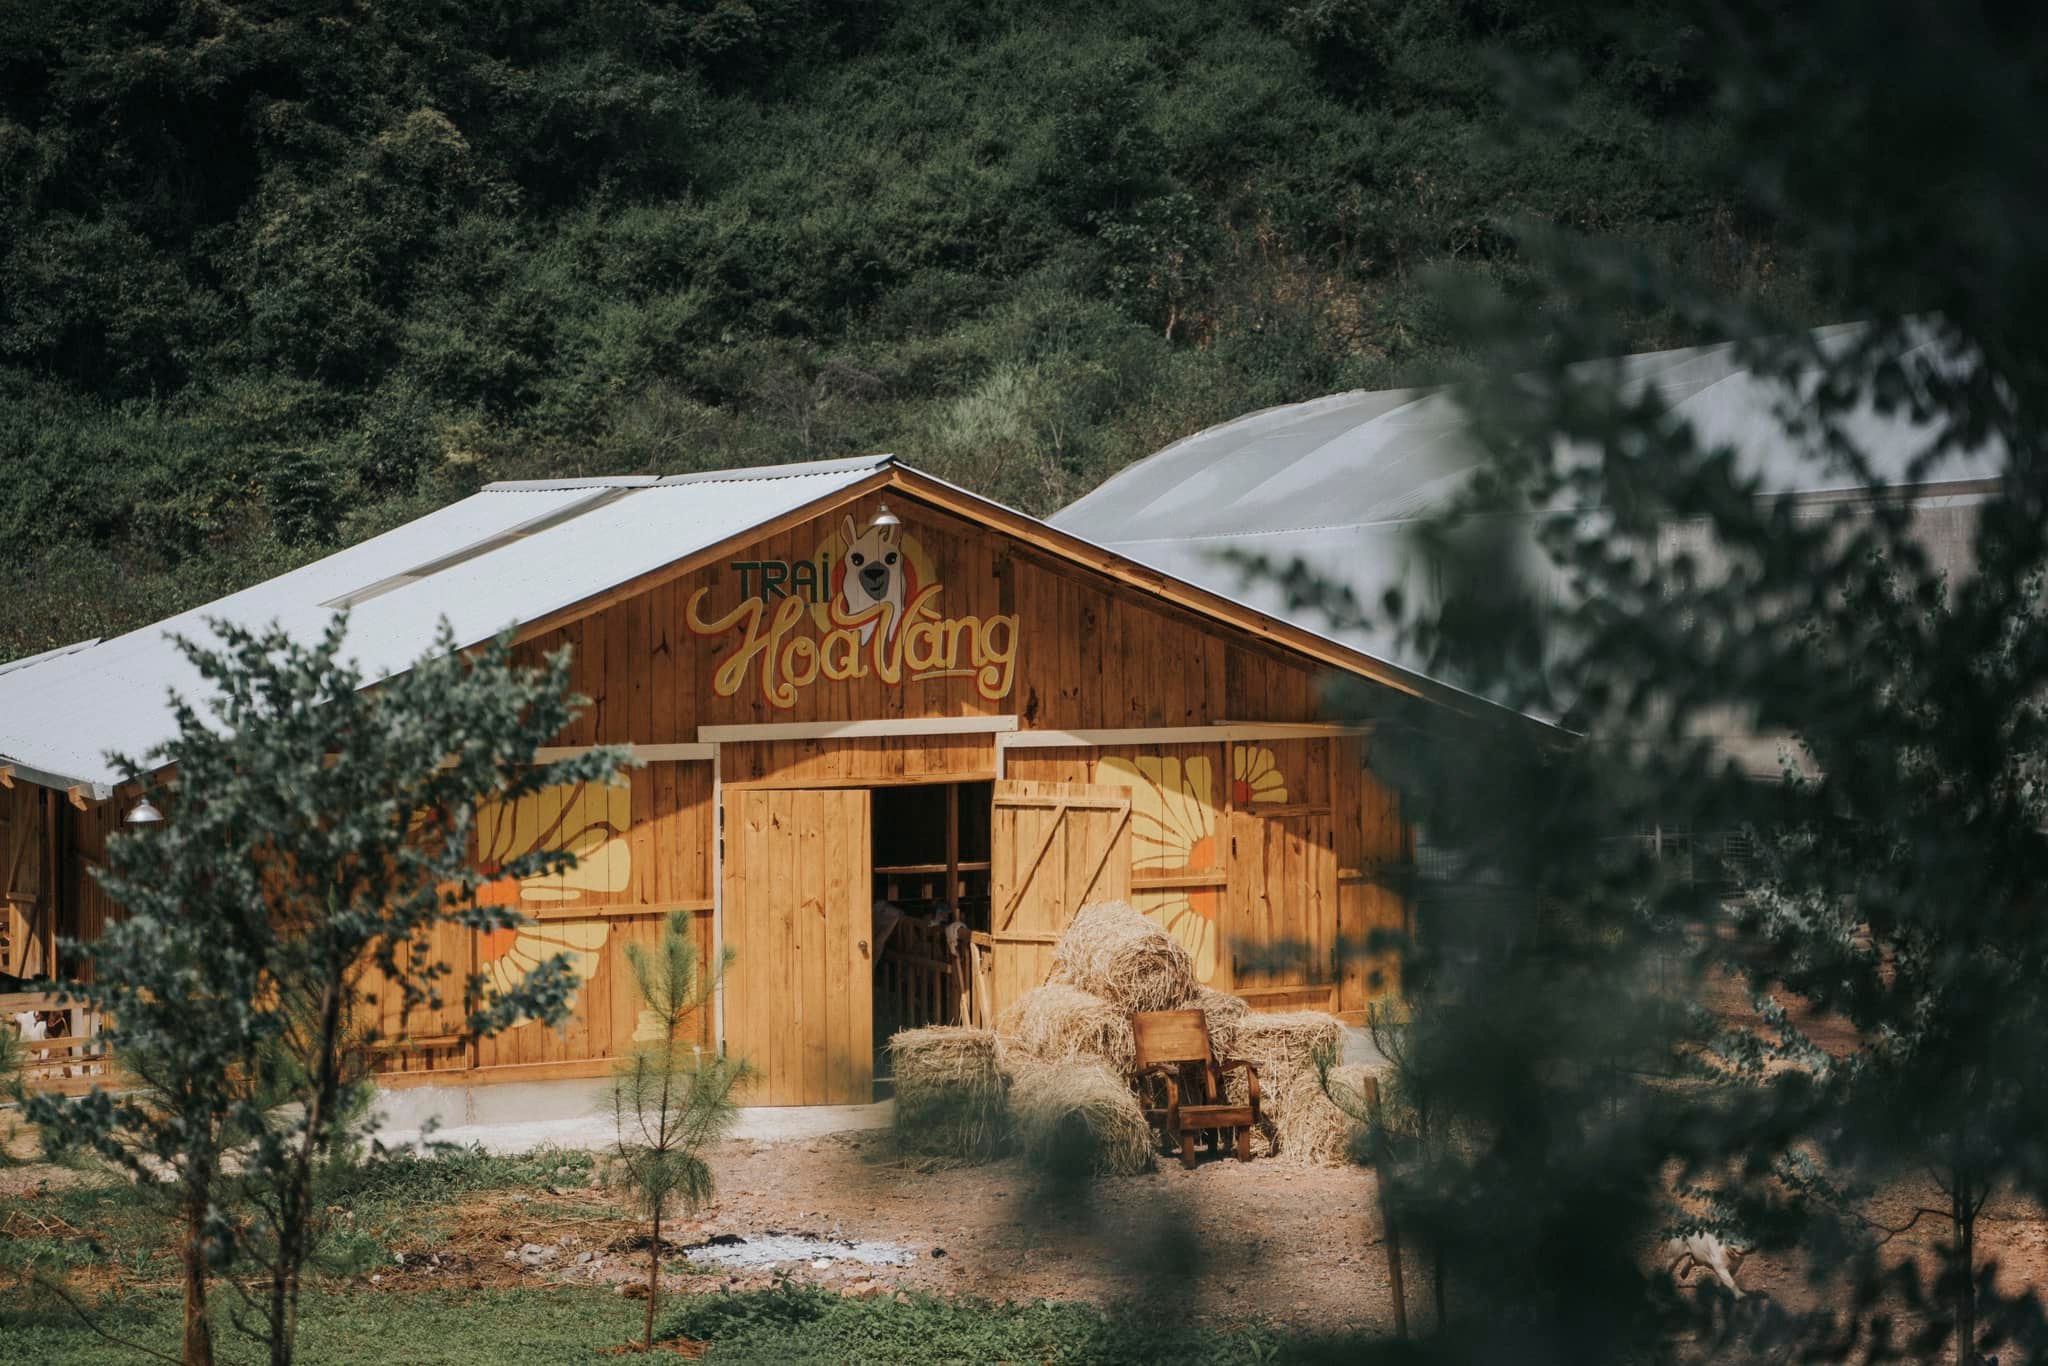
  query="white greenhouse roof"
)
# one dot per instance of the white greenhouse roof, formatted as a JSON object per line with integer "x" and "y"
{"x": 510, "y": 554}
{"x": 1338, "y": 483}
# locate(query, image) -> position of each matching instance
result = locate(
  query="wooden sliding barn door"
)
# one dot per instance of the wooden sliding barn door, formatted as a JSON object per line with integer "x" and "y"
{"x": 798, "y": 917}
{"x": 1280, "y": 908}
{"x": 1055, "y": 847}
{"x": 24, "y": 943}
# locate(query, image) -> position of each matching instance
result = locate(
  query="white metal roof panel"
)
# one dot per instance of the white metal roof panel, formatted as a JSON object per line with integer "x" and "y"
{"x": 30, "y": 661}
{"x": 562, "y": 566}
{"x": 503, "y": 556}
{"x": 1336, "y": 482}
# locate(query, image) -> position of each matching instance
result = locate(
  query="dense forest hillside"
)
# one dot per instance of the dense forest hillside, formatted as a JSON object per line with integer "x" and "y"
{"x": 275, "y": 276}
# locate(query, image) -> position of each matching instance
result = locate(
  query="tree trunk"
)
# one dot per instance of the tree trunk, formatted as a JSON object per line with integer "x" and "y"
{"x": 295, "y": 1196}
{"x": 653, "y": 1279}
{"x": 198, "y": 1346}
{"x": 1380, "y": 1168}
{"x": 280, "y": 1295}
{"x": 1964, "y": 1220}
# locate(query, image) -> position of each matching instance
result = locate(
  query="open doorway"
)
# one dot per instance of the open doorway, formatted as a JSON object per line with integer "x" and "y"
{"x": 931, "y": 891}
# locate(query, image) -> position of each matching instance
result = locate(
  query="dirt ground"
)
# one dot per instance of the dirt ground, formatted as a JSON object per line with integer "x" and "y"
{"x": 1223, "y": 1235}
{"x": 1227, "y": 1242}
{"x": 1216, "y": 1239}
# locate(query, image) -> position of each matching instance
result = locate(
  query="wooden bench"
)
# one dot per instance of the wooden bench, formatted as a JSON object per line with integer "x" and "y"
{"x": 1174, "y": 1046}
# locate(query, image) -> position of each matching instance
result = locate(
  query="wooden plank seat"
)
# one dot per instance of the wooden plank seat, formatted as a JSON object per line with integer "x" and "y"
{"x": 1174, "y": 1046}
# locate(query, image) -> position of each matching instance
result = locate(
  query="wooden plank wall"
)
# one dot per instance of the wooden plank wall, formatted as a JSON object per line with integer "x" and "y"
{"x": 425, "y": 1039}
{"x": 876, "y": 761}
{"x": 665, "y": 851}
{"x": 1258, "y": 876}
{"x": 1370, "y": 852}
{"x": 1280, "y": 911}
{"x": 87, "y": 909}
{"x": 1089, "y": 653}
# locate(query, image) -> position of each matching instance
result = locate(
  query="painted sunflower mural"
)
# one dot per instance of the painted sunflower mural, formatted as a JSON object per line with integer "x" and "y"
{"x": 586, "y": 819}
{"x": 1255, "y": 776}
{"x": 1174, "y": 807}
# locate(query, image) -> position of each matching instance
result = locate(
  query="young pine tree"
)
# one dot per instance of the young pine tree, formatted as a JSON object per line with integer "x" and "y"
{"x": 672, "y": 1099}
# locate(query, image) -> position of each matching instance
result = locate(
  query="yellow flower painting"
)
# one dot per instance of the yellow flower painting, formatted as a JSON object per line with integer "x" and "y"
{"x": 1255, "y": 776}
{"x": 1174, "y": 809}
{"x": 1173, "y": 830}
{"x": 507, "y": 956}
{"x": 586, "y": 819}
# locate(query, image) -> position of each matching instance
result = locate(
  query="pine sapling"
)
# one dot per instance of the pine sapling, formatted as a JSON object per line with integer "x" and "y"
{"x": 671, "y": 1097}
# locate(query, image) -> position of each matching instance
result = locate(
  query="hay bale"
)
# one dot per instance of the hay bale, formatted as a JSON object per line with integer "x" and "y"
{"x": 1223, "y": 1012}
{"x": 1076, "y": 1114}
{"x": 1057, "y": 1022}
{"x": 951, "y": 1093}
{"x": 1309, "y": 1127}
{"x": 1284, "y": 1044}
{"x": 1113, "y": 952}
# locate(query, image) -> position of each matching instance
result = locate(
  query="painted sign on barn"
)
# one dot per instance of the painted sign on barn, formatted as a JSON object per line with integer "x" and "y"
{"x": 865, "y": 603}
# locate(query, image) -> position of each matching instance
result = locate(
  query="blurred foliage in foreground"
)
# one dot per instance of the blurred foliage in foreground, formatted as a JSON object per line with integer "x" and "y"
{"x": 275, "y": 277}
{"x": 1602, "y": 1050}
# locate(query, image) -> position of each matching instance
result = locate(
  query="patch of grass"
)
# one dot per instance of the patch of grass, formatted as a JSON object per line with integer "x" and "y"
{"x": 453, "y": 1171}
{"x": 410, "y": 1200}
{"x": 522, "y": 1327}
{"x": 108, "y": 1223}
{"x": 115, "y": 1225}
{"x": 501, "y": 1328}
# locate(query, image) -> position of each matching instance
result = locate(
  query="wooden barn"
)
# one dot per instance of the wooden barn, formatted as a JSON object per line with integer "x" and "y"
{"x": 890, "y": 737}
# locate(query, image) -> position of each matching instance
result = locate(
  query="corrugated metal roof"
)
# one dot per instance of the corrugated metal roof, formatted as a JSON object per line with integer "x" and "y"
{"x": 510, "y": 554}
{"x": 1338, "y": 482}
{"x": 30, "y": 661}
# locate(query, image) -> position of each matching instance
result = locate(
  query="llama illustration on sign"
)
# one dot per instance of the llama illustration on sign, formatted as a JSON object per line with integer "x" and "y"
{"x": 871, "y": 571}
{"x": 871, "y": 599}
